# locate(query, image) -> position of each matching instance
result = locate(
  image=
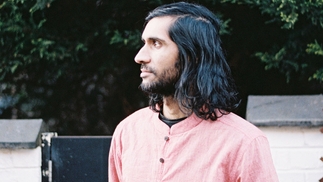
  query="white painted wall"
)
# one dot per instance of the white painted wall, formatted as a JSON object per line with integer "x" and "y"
{"x": 296, "y": 152}
{"x": 20, "y": 165}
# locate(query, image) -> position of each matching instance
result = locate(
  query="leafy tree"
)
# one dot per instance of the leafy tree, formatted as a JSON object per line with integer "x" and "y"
{"x": 67, "y": 62}
{"x": 71, "y": 62}
{"x": 301, "y": 22}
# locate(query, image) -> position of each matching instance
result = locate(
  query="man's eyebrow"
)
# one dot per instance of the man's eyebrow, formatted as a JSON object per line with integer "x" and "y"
{"x": 154, "y": 39}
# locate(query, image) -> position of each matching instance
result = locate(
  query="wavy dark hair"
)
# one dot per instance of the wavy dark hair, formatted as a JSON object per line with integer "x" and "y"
{"x": 205, "y": 84}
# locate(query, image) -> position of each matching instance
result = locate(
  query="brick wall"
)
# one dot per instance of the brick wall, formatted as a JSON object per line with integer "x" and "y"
{"x": 20, "y": 165}
{"x": 296, "y": 152}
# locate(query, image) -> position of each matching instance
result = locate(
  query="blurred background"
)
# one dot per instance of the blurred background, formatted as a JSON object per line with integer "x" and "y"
{"x": 70, "y": 62}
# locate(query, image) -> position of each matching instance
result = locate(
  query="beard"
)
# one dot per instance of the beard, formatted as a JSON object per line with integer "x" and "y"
{"x": 165, "y": 83}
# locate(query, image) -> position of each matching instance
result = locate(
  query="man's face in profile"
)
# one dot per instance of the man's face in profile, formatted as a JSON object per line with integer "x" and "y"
{"x": 158, "y": 57}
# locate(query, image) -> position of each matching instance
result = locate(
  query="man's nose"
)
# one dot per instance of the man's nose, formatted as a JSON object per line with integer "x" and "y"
{"x": 142, "y": 56}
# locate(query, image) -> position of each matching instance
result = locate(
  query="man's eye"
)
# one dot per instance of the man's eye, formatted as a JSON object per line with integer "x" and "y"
{"x": 157, "y": 43}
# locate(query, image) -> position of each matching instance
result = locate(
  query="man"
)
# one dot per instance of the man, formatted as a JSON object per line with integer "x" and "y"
{"x": 189, "y": 133}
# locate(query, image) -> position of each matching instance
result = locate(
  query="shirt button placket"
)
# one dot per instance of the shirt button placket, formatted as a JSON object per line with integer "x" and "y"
{"x": 162, "y": 160}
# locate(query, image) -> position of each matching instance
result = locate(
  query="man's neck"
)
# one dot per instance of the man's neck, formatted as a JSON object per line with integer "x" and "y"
{"x": 171, "y": 109}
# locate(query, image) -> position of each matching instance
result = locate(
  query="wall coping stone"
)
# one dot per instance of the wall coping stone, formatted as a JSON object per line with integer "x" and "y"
{"x": 285, "y": 110}
{"x": 21, "y": 133}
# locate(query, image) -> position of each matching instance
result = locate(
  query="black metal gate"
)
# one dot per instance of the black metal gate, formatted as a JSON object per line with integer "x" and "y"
{"x": 75, "y": 159}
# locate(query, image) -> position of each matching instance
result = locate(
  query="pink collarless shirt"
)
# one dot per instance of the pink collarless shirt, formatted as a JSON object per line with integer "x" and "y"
{"x": 144, "y": 149}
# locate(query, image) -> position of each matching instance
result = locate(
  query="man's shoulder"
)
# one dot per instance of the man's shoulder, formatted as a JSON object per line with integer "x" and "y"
{"x": 240, "y": 125}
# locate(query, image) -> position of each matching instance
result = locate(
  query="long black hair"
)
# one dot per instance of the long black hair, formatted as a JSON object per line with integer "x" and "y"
{"x": 205, "y": 84}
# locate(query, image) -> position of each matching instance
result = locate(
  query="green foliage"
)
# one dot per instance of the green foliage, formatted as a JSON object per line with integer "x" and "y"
{"x": 71, "y": 62}
{"x": 315, "y": 48}
{"x": 27, "y": 49}
{"x": 302, "y": 24}
{"x": 128, "y": 38}
{"x": 24, "y": 41}
{"x": 318, "y": 75}
{"x": 288, "y": 11}
{"x": 66, "y": 61}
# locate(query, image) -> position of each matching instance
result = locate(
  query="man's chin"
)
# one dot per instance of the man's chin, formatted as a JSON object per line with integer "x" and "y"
{"x": 146, "y": 87}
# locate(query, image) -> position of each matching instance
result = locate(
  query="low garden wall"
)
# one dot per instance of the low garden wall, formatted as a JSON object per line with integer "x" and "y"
{"x": 20, "y": 150}
{"x": 293, "y": 125}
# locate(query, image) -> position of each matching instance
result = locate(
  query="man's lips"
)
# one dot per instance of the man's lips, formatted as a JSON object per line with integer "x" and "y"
{"x": 145, "y": 70}
{"x": 145, "y": 73}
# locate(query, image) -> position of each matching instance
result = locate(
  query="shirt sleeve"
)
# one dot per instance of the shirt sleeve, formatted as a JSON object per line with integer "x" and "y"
{"x": 114, "y": 162}
{"x": 256, "y": 163}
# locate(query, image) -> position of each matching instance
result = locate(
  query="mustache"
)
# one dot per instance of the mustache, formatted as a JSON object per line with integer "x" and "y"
{"x": 145, "y": 67}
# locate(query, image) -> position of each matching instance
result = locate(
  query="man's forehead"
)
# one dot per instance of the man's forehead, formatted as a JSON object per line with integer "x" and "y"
{"x": 158, "y": 27}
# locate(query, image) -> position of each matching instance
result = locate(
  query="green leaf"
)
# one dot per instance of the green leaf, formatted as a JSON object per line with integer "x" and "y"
{"x": 314, "y": 48}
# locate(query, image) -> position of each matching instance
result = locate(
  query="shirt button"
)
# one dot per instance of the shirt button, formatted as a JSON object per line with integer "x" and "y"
{"x": 161, "y": 160}
{"x": 166, "y": 138}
